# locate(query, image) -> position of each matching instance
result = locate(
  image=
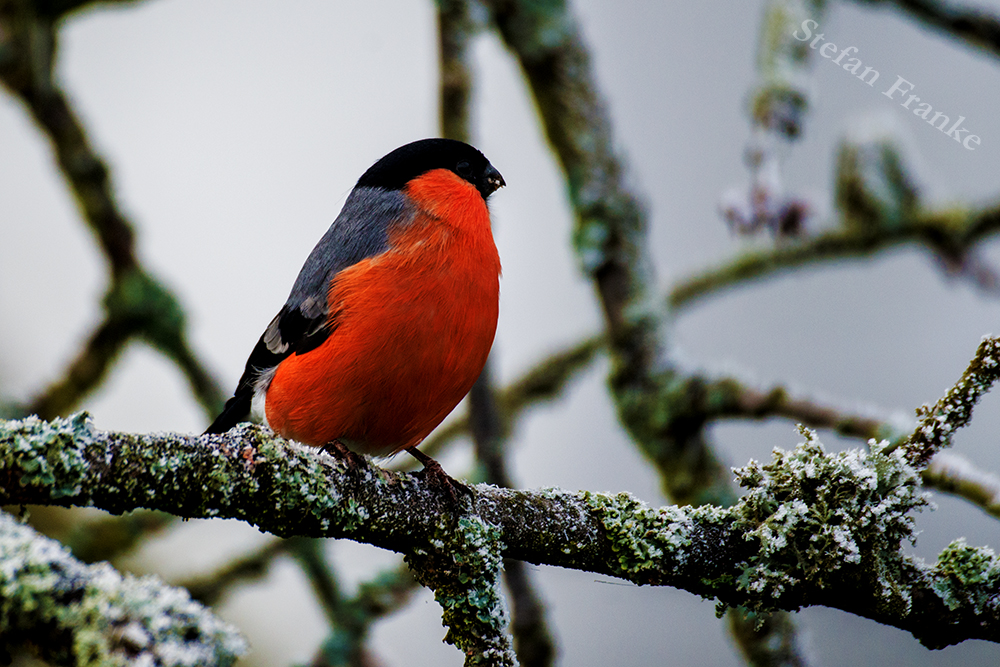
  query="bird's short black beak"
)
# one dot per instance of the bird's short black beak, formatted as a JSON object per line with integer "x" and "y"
{"x": 490, "y": 181}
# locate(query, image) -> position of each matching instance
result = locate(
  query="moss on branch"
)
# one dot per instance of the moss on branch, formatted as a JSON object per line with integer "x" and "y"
{"x": 761, "y": 552}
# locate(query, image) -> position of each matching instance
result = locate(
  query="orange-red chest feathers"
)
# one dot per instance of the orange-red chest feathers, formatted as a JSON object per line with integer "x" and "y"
{"x": 411, "y": 330}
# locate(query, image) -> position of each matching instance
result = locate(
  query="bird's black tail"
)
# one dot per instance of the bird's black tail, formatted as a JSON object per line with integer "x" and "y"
{"x": 261, "y": 359}
{"x": 237, "y": 410}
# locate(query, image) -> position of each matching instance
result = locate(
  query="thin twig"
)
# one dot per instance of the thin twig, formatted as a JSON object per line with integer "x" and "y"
{"x": 950, "y": 232}
{"x": 939, "y": 422}
{"x": 973, "y": 25}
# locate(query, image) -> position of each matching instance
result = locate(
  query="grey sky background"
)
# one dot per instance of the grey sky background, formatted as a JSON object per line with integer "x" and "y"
{"x": 236, "y": 129}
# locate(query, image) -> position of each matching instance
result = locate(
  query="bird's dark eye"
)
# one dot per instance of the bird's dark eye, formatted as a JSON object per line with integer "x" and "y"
{"x": 463, "y": 169}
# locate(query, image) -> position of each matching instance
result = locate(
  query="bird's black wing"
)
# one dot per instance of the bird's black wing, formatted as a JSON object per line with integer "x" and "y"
{"x": 360, "y": 231}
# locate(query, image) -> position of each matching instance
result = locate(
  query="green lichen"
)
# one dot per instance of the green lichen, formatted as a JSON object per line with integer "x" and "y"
{"x": 967, "y": 576}
{"x": 50, "y": 454}
{"x": 97, "y": 616}
{"x": 642, "y": 537}
{"x": 815, "y": 513}
{"x": 300, "y": 470}
{"x": 138, "y": 300}
{"x": 462, "y": 567}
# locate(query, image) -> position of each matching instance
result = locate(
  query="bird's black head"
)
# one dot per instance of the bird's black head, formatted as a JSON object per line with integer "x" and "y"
{"x": 407, "y": 162}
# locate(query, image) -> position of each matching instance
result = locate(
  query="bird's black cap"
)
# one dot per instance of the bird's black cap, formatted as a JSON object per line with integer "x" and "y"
{"x": 407, "y": 162}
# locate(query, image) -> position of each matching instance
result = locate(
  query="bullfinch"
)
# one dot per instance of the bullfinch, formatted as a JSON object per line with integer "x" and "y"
{"x": 391, "y": 318}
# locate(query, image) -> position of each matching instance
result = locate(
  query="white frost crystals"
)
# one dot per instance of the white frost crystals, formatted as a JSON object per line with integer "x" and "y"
{"x": 815, "y": 513}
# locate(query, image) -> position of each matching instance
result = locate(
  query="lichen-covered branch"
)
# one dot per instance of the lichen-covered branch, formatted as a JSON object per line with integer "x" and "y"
{"x": 814, "y": 528}
{"x": 462, "y": 564}
{"x": 70, "y": 613}
{"x": 610, "y": 244}
{"x": 939, "y": 422}
{"x": 136, "y": 306}
{"x": 948, "y": 232}
{"x": 972, "y": 25}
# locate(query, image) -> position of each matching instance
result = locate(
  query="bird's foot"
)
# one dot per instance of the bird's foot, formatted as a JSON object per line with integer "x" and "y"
{"x": 437, "y": 478}
{"x": 340, "y": 450}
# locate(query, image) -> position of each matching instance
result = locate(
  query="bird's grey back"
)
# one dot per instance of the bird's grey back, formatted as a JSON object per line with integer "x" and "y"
{"x": 361, "y": 230}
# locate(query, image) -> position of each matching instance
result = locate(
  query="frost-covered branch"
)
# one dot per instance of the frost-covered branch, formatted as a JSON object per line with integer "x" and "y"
{"x": 939, "y": 422}
{"x": 814, "y": 528}
{"x": 71, "y": 613}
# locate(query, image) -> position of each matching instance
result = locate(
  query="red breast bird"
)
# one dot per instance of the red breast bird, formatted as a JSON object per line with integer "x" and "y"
{"x": 391, "y": 318}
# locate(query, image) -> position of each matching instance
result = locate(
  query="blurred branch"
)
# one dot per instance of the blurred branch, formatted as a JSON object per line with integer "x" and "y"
{"x": 769, "y": 550}
{"x": 973, "y": 25}
{"x": 729, "y": 398}
{"x": 952, "y": 473}
{"x": 350, "y": 618}
{"x": 136, "y": 306}
{"x": 210, "y": 589}
{"x": 58, "y": 9}
{"x": 70, "y": 613}
{"x": 610, "y": 244}
{"x": 376, "y": 599}
{"x": 948, "y": 232}
{"x": 490, "y": 425}
{"x": 779, "y": 102}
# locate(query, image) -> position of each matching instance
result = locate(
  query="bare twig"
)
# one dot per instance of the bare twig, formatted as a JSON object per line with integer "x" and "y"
{"x": 973, "y": 25}
{"x": 950, "y": 233}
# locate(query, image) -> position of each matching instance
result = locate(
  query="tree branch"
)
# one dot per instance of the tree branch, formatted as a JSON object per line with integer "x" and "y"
{"x": 939, "y": 422}
{"x": 75, "y": 614}
{"x": 950, "y": 233}
{"x": 814, "y": 528}
{"x": 973, "y": 25}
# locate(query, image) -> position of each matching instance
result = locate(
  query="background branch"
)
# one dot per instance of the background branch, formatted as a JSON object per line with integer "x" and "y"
{"x": 136, "y": 305}
{"x": 973, "y": 25}
{"x": 950, "y": 232}
{"x": 72, "y": 613}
